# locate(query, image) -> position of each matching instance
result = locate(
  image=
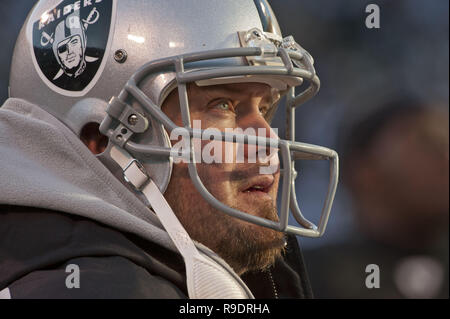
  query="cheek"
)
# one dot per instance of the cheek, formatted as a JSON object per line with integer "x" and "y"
{"x": 216, "y": 178}
{"x": 215, "y": 151}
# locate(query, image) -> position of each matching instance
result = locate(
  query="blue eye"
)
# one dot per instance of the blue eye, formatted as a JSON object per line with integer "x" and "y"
{"x": 224, "y": 106}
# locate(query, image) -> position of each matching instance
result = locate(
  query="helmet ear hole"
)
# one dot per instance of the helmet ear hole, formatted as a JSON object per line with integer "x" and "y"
{"x": 91, "y": 137}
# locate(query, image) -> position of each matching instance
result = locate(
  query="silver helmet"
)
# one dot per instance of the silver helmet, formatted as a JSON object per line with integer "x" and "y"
{"x": 132, "y": 54}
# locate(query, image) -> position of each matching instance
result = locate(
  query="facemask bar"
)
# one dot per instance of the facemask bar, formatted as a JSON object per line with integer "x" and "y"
{"x": 290, "y": 135}
{"x": 290, "y": 150}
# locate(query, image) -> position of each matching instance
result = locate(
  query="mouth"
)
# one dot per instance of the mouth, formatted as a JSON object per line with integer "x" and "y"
{"x": 259, "y": 185}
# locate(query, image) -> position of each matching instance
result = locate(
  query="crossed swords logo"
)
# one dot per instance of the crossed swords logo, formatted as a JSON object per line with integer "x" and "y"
{"x": 47, "y": 39}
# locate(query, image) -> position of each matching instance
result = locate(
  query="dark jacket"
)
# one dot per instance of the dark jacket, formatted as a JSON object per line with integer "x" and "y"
{"x": 37, "y": 245}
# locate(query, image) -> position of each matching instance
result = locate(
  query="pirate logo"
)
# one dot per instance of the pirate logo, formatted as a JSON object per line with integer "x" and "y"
{"x": 69, "y": 46}
{"x": 70, "y": 40}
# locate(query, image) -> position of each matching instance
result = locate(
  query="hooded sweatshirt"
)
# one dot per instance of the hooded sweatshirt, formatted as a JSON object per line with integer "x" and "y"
{"x": 70, "y": 229}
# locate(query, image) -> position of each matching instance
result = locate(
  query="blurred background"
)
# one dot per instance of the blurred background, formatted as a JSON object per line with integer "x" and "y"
{"x": 383, "y": 106}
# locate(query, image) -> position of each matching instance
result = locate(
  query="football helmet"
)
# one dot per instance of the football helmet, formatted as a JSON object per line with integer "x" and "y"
{"x": 114, "y": 62}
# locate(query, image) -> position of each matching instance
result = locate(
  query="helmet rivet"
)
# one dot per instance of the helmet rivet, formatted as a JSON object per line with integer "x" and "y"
{"x": 133, "y": 119}
{"x": 120, "y": 55}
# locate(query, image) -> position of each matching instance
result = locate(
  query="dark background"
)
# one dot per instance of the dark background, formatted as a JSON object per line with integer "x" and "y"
{"x": 360, "y": 69}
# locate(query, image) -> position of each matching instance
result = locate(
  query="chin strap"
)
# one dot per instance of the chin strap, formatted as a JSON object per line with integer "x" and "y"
{"x": 205, "y": 277}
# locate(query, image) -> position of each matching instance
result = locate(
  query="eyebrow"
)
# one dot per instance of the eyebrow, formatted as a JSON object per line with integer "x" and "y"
{"x": 271, "y": 97}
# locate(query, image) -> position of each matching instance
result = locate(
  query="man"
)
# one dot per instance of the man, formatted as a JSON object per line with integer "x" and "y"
{"x": 170, "y": 189}
{"x": 244, "y": 246}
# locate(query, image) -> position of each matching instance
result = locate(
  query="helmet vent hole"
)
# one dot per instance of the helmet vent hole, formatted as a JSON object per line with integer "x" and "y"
{"x": 91, "y": 137}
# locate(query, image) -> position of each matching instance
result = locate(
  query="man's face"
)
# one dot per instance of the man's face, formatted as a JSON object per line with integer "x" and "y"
{"x": 243, "y": 245}
{"x": 70, "y": 52}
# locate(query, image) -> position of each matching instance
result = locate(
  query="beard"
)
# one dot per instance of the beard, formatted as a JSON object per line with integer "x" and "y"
{"x": 248, "y": 247}
{"x": 243, "y": 245}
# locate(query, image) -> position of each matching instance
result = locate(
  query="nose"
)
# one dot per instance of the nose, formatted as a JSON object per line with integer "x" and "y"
{"x": 255, "y": 124}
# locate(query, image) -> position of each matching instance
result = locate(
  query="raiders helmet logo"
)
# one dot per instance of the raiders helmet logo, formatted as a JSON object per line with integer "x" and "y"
{"x": 69, "y": 43}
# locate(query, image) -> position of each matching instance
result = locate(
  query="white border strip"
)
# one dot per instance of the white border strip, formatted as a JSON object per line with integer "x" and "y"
{"x": 5, "y": 294}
